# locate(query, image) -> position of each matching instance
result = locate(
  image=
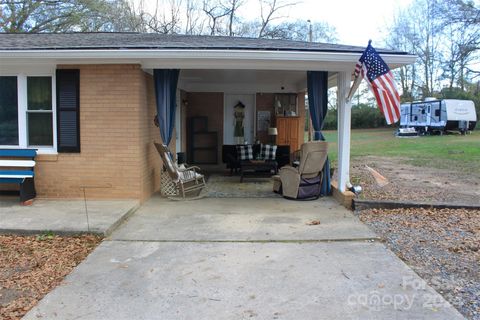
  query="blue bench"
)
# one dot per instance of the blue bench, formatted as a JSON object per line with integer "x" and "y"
{"x": 16, "y": 167}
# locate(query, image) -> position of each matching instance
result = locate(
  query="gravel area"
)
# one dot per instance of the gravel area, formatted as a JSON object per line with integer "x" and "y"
{"x": 441, "y": 245}
{"x": 31, "y": 266}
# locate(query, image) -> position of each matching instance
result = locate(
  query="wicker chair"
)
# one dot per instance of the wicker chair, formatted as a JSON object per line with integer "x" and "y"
{"x": 187, "y": 179}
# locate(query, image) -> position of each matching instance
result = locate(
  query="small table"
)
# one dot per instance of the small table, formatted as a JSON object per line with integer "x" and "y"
{"x": 258, "y": 168}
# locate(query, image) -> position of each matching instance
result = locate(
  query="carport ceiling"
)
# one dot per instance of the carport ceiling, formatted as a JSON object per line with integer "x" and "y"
{"x": 242, "y": 80}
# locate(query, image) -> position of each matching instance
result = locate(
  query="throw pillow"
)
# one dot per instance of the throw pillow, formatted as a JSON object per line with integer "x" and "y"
{"x": 269, "y": 152}
{"x": 245, "y": 152}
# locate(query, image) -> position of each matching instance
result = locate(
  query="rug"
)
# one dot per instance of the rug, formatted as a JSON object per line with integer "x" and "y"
{"x": 221, "y": 186}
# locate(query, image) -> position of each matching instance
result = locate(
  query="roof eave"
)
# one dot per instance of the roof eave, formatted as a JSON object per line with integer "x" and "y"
{"x": 198, "y": 59}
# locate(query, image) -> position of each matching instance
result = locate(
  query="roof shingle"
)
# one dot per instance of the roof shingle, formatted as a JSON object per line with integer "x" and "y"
{"x": 125, "y": 41}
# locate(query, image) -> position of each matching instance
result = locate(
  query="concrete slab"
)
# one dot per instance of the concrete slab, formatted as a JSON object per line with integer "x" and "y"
{"x": 238, "y": 219}
{"x": 64, "y": 216}
{"x": 242, "y": 220}
{"x": 160, "y": 280}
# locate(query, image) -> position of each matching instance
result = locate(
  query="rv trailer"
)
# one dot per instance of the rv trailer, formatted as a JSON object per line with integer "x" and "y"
{"x": 439, "y": 116}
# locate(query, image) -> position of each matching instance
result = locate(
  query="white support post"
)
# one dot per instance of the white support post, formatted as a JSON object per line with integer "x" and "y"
{"x": 344, "y": 120}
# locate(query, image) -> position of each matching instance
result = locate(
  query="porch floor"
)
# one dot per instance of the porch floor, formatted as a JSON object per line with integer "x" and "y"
{"x": 242, "y": 219}
{"x": 63, "y": 216}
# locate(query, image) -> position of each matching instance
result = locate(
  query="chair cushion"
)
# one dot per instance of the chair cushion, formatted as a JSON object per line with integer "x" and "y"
{"x": 189, "y": 175}
{"x": 245, "y": 152}
{"x": 269, "y": 152}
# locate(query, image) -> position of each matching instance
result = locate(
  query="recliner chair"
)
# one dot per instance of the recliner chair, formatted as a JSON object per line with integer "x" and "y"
{"x": 304, "y": 181}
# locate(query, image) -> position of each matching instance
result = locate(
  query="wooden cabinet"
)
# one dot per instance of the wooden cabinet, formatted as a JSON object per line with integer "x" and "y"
{"x": 202, "y": 144}
{"x": 289, "y": 132}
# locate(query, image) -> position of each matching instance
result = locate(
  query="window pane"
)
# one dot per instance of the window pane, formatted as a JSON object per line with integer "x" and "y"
{"x": 40, "y": 132}
{"x": 8, "y": 111}
{"x": 39, "y": 91}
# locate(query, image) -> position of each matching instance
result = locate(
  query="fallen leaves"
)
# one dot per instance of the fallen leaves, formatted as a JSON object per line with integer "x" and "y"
{"x": 441, "y": 245}
{"x": 31, "y": 266}
{"x": 313, "y": 223}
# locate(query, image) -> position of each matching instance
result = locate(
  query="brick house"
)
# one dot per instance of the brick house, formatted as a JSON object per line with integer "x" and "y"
{"x": 95, "y": 128}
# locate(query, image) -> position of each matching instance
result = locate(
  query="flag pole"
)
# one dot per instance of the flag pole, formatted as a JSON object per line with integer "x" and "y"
{"x": 358, "y": 79}
{"x": 353, "y": 89}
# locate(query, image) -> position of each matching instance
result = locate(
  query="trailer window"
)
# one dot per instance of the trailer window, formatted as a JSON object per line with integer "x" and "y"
{"x": 437, "y": 113}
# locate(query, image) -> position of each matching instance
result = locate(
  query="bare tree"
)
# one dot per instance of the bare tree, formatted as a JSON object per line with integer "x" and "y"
{"x": 270, "y": 11}
{"x": 299, "y": 30}
{"x": 215, "y": 11}
{"x": 193, "y": 22}
{"x": 165, "y": 18}
{"x": 402, "y": 36}
{"x": 232, "y": 6}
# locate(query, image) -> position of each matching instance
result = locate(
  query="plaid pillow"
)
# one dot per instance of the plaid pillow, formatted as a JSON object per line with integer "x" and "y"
{"x": 245, "y": 152}
{"x": 268, "y": 152}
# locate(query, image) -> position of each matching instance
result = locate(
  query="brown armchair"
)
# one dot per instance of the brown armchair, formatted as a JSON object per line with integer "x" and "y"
{"x": 305, "y": 180}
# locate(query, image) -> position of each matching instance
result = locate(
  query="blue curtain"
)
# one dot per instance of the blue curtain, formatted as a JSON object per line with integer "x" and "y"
{"x": 165, "y": 82}
{"x": 317, "y": 83}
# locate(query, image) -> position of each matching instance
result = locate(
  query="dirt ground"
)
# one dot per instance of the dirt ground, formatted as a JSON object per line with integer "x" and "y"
{"x": 442, "y": 246}
{"x": 408, "y": 182}
{"x": 31, "y": 266}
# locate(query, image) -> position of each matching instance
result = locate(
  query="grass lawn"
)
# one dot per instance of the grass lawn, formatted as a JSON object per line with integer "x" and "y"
{"x": 449, "y": 151}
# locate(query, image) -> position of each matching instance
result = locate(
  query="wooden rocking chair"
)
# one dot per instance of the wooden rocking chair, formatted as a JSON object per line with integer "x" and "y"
{"x": 187, "y": 179}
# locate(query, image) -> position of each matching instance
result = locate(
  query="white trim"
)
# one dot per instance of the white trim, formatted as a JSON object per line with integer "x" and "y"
{"x": 344, "y": 120}
{"x": 201, "y": 59}
{"x": 23, "y": 108}
{"x": 291, "y": 55}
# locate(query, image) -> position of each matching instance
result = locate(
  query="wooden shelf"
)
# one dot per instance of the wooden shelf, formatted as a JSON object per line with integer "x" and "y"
{"x": 202, "y": 144}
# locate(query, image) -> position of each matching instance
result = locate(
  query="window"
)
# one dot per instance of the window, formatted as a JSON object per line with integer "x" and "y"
{"x": 8, "y": 111}
{"x": 39, "y": 111}
{"x": 27, "y": 112}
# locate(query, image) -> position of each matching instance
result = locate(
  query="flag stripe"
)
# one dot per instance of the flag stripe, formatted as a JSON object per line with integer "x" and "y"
{"x": 389, "y": 98}
{"x": 393, "y": 97}
{"x": 385, "y": 103}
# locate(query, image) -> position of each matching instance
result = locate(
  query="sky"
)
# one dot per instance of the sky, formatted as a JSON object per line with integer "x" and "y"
{"x": 356, "y": 21}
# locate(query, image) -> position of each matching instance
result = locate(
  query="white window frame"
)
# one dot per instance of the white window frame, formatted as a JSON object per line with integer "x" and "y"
{"x": 23, "y": 110}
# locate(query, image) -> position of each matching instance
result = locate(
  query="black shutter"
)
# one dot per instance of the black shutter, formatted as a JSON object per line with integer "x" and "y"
{"x": 68, "y": 110}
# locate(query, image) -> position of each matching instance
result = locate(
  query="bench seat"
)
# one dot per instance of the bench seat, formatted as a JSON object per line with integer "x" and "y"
{"x": 16, "y": 174}
{"x": 16, "y": 167}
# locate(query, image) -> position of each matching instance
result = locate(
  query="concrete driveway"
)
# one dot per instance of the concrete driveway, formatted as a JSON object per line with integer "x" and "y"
{"x": 242, "y": 259}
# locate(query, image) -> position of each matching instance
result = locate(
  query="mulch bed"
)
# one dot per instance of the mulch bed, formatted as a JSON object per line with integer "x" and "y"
{"x": 441, "y": 245}
{"x": 31, "y": 266}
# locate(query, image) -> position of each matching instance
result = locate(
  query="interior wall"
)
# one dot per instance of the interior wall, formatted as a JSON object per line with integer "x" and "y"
{"x": 265, "y": 102}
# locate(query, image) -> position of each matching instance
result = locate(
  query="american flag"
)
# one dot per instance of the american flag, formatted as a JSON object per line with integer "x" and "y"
{"x": 381, "y": 81}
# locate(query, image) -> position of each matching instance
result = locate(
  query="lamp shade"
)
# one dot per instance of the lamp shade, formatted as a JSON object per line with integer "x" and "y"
{"x": 272, "y": 131}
